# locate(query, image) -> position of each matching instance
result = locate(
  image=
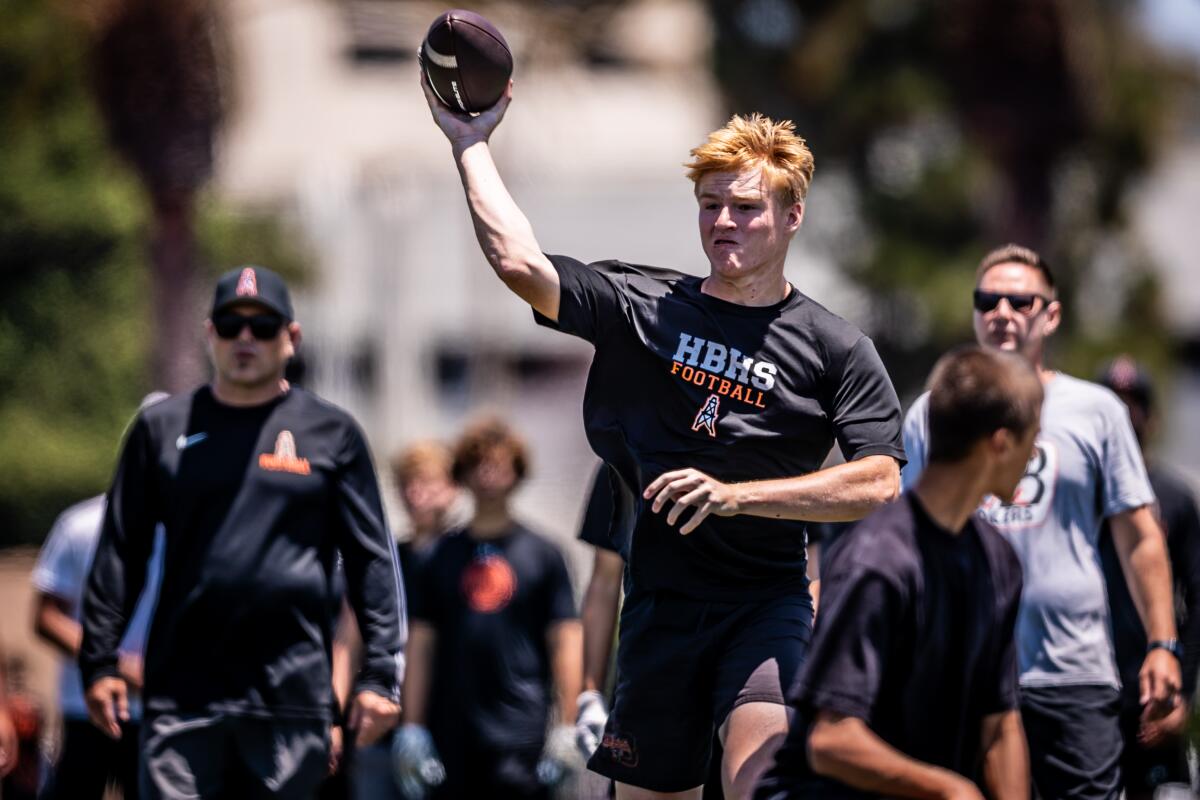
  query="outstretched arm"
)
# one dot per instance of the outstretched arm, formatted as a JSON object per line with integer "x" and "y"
{"x": 504, "y": 233}
{"x": 845, "y": 749}
{"x": 838, "y": 494}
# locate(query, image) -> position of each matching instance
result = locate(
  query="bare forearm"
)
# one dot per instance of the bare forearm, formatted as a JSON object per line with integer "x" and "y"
{"x": 503, "y": 230}
{"x": 601, "y": 602}
{"x": 565, "y": 642}
{"x": 418, "y": 669}
{"x": 842, "y": 493}
{"x": 1143, "y": 553}
{"x": 347, "y": 651}
{"x": 58, "y": 629}
{"x": 849, "y": 751}
{"x": 1006, "y": 757}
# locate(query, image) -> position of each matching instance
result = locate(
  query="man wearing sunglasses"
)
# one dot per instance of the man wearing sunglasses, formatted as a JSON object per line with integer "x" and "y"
{"x": 259, "y": 487}
{"x": 1086, "y": 468}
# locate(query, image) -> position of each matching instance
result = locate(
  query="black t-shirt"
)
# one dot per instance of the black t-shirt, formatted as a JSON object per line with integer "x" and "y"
{"x": 608, "y": 517}
{"x": 1176, "y": 511}
{"x": 683, "y": 379}
{"x": 491, "y": 602}
{"x": 914, "y": 637}
{"x": 256, "y": 504}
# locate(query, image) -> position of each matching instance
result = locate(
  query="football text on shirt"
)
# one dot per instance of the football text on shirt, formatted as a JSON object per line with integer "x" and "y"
{"x": 723, "y": 370}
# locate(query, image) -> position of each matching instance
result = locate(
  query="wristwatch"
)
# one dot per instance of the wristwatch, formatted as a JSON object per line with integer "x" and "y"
{"x": 1172, "y": 646}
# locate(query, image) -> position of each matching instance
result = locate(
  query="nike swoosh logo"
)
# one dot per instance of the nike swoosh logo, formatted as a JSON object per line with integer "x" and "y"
{"x": 184, "y": 442}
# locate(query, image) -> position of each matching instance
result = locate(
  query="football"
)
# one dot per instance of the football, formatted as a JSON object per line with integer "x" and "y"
{"x": 466, "y": 60}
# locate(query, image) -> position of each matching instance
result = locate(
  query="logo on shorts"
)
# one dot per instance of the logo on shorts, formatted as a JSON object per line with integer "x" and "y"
{"x": 247, "y": 285}
{"x": 706, "y": 417}
{"x": 489, "y": 583}
{"x": 621, "y": 748}
{"x": 284, "y": 458}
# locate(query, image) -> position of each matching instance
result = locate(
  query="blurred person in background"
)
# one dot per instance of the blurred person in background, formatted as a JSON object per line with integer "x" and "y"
{"x": 1155, "y": 750}
{"x": 259, "y": 486}
{"x": 88, "y": 761}
{"x": 422, "y": 477}
{"x": 717, "y": 399}
{"x": 1086, "y": 468}
{"x": 494, "y": 652}
{"x": 8, "y": 730}
{"x": 910, "y": 689}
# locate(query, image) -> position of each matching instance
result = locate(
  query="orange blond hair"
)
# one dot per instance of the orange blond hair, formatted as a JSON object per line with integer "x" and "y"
{"x": 746, "y": 142}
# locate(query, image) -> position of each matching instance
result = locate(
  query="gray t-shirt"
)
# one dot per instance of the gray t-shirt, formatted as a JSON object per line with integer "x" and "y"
{"x": 1086, "y": 466}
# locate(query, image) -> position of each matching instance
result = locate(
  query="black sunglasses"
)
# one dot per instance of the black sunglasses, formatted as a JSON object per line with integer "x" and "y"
{"x": 1024, "y": 303}
{"x": 262, "y": 326}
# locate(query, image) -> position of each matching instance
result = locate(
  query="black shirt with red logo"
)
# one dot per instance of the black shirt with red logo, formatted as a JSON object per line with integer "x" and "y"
{"x": 683, "y": 379}
{"x": 256, "y": 502}
{"x": 491, "y": 602}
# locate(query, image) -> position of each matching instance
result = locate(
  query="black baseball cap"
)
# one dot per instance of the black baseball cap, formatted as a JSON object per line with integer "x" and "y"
{"x": 251, "y": 284}
{"x": 1125, "y": 376}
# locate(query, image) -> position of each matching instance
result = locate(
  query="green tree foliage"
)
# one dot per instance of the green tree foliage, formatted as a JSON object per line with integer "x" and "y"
{"x": 75, "y": 319}
{"x": 942, "y": 129}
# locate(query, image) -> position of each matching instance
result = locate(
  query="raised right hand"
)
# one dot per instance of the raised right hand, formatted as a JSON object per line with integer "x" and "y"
{"x": 108, "y": 705}
{"x": 463, "y": 129}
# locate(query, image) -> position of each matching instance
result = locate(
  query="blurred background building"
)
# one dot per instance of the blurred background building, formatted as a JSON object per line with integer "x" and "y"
{"x": 150, "y": 144}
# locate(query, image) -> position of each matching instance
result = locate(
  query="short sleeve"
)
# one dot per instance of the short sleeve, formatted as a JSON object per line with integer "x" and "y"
{"x": 560, "y": 600}
{"x": 866, "y": 411}
{"x": 852, "y": 646}
{"x": 916, "y": 442}
{"x": 1002, "y": 693}
{"x": 1124, "y": 484}
{"x": 60, "y": 570}
{"x": 589, "y": 300}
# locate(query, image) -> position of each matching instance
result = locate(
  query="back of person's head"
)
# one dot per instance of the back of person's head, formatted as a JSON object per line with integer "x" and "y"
{"x": 757, "y": 141}
{"x": 424, "y": 458}
{"x": 974, "y": 392}
{"x": 486, "y": 441}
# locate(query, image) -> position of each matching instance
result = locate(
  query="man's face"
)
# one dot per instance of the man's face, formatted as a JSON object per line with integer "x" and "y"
{"x": 1021, "y": 330}
{"x": 494, "y": 477}
{"x": 244, "y": 360}
{"x": 744, "y": 225}
{"x": 427, "y": 496}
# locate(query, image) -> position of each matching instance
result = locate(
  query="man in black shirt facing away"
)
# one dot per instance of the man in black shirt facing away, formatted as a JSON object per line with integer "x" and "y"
{"x": 910, "y": 689}
{"x": 494, "y": 630}
{"x": 258, "y": 486}
{"x": 716, "y": 400}
{"x": 1155, "y": 751}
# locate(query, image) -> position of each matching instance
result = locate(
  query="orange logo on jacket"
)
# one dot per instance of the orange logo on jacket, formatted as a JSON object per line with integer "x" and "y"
{"x": 284, "y": 458}
{"x": 489, "y": 583}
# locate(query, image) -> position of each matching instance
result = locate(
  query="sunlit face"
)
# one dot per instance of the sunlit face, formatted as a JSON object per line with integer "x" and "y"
{"x": 1019, "y": 331}
{"x": 247, "y": 362}
{"x": 1013, "y": 456}
{"x": 745, "y": 227}
{"x": 427, "y": 496}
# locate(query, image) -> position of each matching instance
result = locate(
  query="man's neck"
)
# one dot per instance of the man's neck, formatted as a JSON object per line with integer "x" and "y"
{"x": 766, "y": 288}
{"x": 491, "y": 520}
{"x": 950, "y": 493}
{"x": 234, "y": 394}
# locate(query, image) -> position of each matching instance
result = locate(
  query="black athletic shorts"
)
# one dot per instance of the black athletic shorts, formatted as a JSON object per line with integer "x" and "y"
{"x": 682, "y": 666}
{"x": 1074, "y": 741}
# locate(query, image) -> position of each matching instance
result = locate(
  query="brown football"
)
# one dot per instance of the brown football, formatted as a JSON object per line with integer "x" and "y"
{"x": 467, "y": 61}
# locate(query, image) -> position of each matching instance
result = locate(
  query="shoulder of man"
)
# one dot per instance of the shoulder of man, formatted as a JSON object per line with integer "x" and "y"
{"x": 1090, "y": 398}
{"x": 82, "y": 519}
{"x": 882, "y": 543}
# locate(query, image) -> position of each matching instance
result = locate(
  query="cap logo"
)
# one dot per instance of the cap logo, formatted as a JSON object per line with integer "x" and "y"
{"x": 247, "y": 285}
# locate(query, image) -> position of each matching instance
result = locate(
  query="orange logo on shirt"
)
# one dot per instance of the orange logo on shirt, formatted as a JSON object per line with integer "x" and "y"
{"x": 284, "y": 458}
{"x": 489, "y": 584}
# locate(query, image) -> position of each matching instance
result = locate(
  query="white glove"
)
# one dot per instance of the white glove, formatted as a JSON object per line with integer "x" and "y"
{"x": 559, "y": 758}
{"x": 590, "y": 717}
{"x": 415, "y": 763}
